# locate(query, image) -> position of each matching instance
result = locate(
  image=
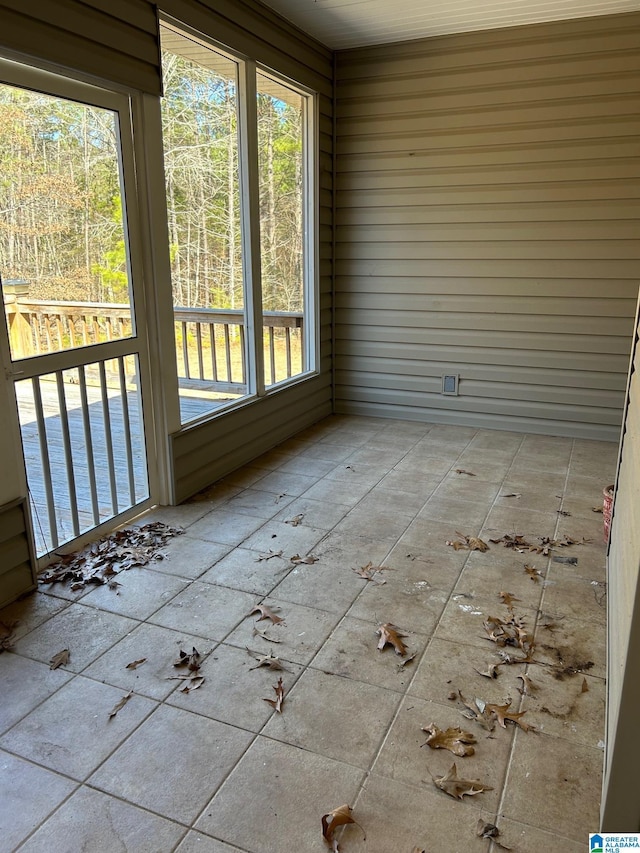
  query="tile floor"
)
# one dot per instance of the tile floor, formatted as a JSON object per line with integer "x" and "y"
{"x": 218, "y": 770}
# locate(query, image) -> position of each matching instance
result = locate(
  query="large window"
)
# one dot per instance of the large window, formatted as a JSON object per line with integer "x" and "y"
{"x": 238, "y": 166}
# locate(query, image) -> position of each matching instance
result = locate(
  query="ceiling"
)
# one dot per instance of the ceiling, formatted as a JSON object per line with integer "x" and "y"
{"x": 341, "y": 24}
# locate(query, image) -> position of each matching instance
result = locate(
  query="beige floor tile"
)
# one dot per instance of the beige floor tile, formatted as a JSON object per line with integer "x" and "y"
{"x": 280, "y": 483}
{"x": 24, "y": 684}
{"x": 531, "y": 524}
{"x": 496, "y": 440}
{"x": 140, "y": 593}
{"x": 182, "y": 516}
{"x": 173, "y": 763}
{"x": 527, "y": 496}
{"x": 523, "y": 480}
{"x": 91, "y": 820}
{"x": 280, "y": 536}
{"x": 501, "y": 569}
{"x": 440, "y": 571}
{"x": 376, "y": 455}
{"x": 160, "y": 647}
{"x": 579, "y": 597}
{"x": 571, "y": 643}
{"x": 31, "y": 611}
{"x": 85, "y": 631}
{"x": 233, "y": 692}
{"x": 291, "y": 790}
{"x": 196, "y": 842}
{"x": 556, "y": 463}
{"x": 428, "y": 537}
{"x": 227, "y": 528}
{"x": 427, "y": 461}
{"x": 463, "y": 618}
{"x": 328, "y": 587}
{"x": 71, "y": 732}
{"x": 400, "y": 600}
{"x": 245, "y": 570}
{"x": 217, "y": 494}
{"x": 346, "y": 493}
{"x": 335, "y": 717}
{"x": 28, "y": 794}
{"x": 465, "y": 516}
{"x": 465, "y": 488}
{"x": 555, "y": 783}
{"x": 381, "y": 498}
{"x": 302, "y": 464}
{"x": 411, "y": 480}
{"x": 189, "y": 557}
{"x": 301, "y": 634}
{"x": 322, "y": 514}
{"x": 375, "y": 524}
{"x": 563, "y": 708}
{"x": 529, "y": 839}
{"x": 398, "y": 817}
{"x": 448, "y": 667}
{"x": 351, "y": 551}
{"x": 327, "y": 451}
{"x": 206, "y": 610}
{"x": 262, "y": 504}
{"x": 405, "y": 758}
{"x": 352, "y": 652}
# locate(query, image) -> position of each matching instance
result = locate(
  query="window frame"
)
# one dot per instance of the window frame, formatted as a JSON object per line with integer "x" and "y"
{"x": 249, "y": 179}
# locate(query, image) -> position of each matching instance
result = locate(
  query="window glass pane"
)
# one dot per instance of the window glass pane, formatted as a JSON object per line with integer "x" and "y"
{"x": 281, "y": 115}
{"x": 200, "y": 136}
{"x": 63, "y": 253}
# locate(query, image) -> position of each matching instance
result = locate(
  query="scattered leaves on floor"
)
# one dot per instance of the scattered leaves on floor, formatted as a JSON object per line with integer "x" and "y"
{"x": 265, "y": 613}
{"x": 269, "y": 661}
{"x": 454, "y": 739}
{"x": 508, "y": 598}
{"x": 489, "y": 830}
{"x": 135, "y": 663}
{"x": 563, "y": 512}
{"x": 463, "y": 471}
{"x": 334, "y": 820}
{"x": 520, "y": 544}
{"x": 7, "y": 630}
{"x": 60, "y": 659}
{"x": 510, "y": 632}
{"x": 391, "y": 635}
{"x": 296, "y": 520}
{"x": 467, "y": 543}
{"x": 268, "y": 555}
{"x": 120, "y": 705}
{"x": 278, "y": 702}
{"x": 101, "y": 561}
{"x": 477, "y": 711}
{"x": 191, "y": 659}
{"x": 309, "y": 560}
{"x": 370, "y": 572}
{"x": 451, "y": 784}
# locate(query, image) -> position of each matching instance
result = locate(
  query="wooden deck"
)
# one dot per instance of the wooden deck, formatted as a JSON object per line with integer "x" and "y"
{"x": 90, "y": 460}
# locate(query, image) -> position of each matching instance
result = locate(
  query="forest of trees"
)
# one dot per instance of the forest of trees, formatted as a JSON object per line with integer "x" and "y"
{"x": 60, "y": 202}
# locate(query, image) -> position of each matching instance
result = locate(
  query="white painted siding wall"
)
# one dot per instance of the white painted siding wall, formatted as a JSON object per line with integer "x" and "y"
{"x": 487, "y": 225}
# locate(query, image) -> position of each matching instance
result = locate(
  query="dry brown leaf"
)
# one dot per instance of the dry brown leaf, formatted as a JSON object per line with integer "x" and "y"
{"x": 120, "y": 705}
{"x": 418, "y": 850}
{"x": 533, "y": 573}
{"x": 192, "y": 659}
{"x": 369, "y": 573}
{"x": 391, "y": 634}
{"x": 528, "y": 686}
{"x": 135, "y": 663}
{"x": 585, "y": 686}
{"x": 503, "y": 715}
{"x": 257, "y": 633}
{"x": 335, "y": 819}
{"x": 454, "y": 739}
{"x": 597, "y": 509}
{"x": 508, "y": 598}
{"x": 489, "y": 830}
{"x": 491, "y": 671}
{"x": 462, "y": 471}
{"x": 296, "y": 520}
{"x": 6, "y": 635}
{"x": 279, "y": 700}
{"x": 470, "y": 543}
{"x": 61, "y": 659}
{"x": 309, "y": 560}
{"x": 270, "y": 661}
{"x": 268, "y": 555}
{"x": 401, "y": 664}
{"x": 458, "y": 788}
{"x": 265, "y": 613}
{"x": 193, "y": 682}
{"x": 512, "y": 495}
{"x": 478, "y": 713}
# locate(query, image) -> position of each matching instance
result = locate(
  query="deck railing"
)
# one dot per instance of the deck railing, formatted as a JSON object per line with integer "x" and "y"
{"x": 210, "y": 343}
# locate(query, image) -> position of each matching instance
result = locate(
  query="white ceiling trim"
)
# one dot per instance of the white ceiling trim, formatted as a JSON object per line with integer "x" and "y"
{"x": 343, "y": 24}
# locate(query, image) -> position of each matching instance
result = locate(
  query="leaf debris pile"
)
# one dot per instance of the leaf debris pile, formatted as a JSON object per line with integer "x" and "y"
{"x": 100, "y": 562}
{"x": 7, "y": 630}
{"x": 467, "y": 543}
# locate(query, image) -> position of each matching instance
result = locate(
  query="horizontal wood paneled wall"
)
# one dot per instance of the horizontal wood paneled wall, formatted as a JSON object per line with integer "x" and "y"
{"x": 488, "y": 224}
{"x": 620, "y": 803}
{"x": 205, "y": 452}
{"x": 116, "y": 40}
{"x": 17, "y": 563}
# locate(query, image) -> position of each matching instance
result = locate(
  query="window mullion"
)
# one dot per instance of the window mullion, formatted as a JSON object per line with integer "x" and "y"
{"x": 250, "y": 202}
